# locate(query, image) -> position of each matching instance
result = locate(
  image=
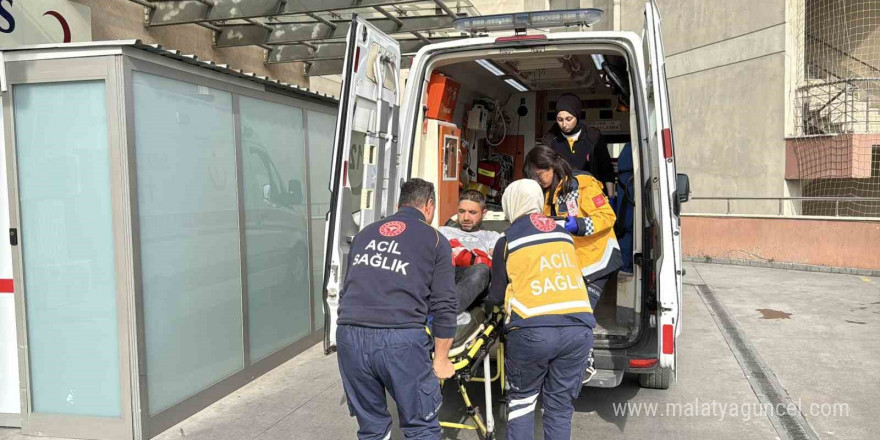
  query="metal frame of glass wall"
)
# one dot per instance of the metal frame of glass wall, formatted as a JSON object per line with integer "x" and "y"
{"x": 128, "y": 74}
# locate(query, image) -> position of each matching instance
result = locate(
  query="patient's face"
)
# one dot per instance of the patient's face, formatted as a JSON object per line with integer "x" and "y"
{"x": 470, "y": 215}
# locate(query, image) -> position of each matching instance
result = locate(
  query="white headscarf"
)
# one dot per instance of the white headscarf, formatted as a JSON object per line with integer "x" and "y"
{"x": 522, "y": 197}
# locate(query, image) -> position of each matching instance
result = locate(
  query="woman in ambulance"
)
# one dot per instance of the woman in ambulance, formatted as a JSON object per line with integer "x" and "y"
{"x": 580, "y": 202}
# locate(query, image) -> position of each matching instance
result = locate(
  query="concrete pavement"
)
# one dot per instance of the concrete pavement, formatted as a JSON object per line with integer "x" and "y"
{"x": 817, "y": 332}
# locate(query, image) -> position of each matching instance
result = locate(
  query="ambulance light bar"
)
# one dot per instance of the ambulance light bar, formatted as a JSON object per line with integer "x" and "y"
{"x": 524, "y": 20}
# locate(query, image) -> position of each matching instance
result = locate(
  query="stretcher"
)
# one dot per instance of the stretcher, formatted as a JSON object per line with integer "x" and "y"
{"x": 474, "y": 343}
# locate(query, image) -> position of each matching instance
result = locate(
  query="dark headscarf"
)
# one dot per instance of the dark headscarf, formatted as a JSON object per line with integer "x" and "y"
{"x": 570, "y": 103}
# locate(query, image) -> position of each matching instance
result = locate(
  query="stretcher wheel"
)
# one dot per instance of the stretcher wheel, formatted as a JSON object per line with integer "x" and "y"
{"x": 487, "y": 436}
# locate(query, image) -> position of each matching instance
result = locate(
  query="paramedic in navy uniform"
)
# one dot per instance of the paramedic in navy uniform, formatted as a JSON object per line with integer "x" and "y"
{"x": 399, "y": 273}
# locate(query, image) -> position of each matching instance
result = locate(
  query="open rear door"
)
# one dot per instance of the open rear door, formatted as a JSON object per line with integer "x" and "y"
{"x": 364, "y": 153}
{"x": 669, "y": 263}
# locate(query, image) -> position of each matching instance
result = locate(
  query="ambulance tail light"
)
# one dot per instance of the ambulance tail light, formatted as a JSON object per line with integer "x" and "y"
{"x": 520, "y": 38}
{"x": 642, "y": 363}
{"x": 667, "y": 143}
{"x": 668, "y": 339}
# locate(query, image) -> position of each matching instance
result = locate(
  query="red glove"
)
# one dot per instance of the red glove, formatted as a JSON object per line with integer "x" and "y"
{"x": 461, "y": 256}
{"x": 481, "y": 257}
{"x": 464, "y": 259}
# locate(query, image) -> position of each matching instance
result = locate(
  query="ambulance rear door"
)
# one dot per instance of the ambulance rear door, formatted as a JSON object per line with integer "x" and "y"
{"x": 364, "y": 154}
{"x": 667, "y": 242}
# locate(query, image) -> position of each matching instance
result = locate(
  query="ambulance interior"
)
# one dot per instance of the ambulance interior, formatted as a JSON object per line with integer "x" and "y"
{"x": 484, "y": 115}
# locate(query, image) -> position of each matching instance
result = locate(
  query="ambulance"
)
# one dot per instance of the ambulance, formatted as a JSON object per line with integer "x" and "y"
{"x": 468, "y": 113}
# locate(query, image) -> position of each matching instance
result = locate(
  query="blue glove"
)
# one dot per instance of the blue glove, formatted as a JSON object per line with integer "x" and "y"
{"x": 571, "y": 225}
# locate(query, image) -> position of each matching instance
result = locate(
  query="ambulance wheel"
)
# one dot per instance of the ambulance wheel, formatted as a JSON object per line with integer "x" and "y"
{"x": 658, "y": 380}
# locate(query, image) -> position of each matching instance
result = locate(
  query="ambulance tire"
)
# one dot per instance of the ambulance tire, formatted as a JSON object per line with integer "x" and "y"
{"x": 658, "y": 380}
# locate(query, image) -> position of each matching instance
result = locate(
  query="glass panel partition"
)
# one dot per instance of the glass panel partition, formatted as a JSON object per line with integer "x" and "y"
{"x": 68, "y": 249}
{"x": 189, "y": 236}
{"x": 321, "y": 130}
{"x": 273, "y": 156}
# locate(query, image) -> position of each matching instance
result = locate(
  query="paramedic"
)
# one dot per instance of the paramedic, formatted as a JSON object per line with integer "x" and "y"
{"x": 583, "y": 147}
{"x": 549, "y": 320}
{"x": 399, "y": 273}
{"x": 471, "y": 248}
{"x": 588, "y": 216}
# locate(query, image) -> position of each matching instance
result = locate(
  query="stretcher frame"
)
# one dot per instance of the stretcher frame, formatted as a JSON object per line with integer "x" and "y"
{"x": 466, "y": 358}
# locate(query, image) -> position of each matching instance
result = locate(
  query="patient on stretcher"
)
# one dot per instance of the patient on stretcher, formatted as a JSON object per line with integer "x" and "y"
{"x": 471, "y": 250}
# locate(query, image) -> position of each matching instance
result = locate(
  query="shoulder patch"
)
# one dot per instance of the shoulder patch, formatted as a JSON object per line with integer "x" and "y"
{"x": 392, "y": 229}
{"x": 544, "y": 224}
{"x": 599, "y": 200}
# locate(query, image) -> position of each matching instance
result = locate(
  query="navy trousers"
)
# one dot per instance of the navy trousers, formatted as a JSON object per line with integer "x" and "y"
{"x": 373, "y": 360}
{"x": 546, "y": 361}
{"x": 595, "y": 288}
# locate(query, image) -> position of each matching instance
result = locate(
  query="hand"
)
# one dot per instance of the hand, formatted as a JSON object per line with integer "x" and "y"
{"x": 463, "y": 259}
{"x": 461, "y": 256}
{"x": 571, "y": 225}
{"x": 443, "y": 368}
{"x": 481, "y": 257}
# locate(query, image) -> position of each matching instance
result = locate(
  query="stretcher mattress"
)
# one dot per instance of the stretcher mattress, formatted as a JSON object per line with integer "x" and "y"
{"x": 468, "y": 323}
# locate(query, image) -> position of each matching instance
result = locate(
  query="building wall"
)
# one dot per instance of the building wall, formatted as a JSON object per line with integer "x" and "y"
{"x": 798, "y": 241}
{"x": 726, "y": 78}
{"x": 726, "y": 67}
{"x": 123, "y": 20}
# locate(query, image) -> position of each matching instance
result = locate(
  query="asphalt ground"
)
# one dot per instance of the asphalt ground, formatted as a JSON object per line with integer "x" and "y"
{"x": 752, "y": 338}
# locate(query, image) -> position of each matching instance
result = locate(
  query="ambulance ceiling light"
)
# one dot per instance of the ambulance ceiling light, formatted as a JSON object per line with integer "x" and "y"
{"x": 488, "y": 65}
{"x": 516, "y": 85}
{"x": 598, "y": 60}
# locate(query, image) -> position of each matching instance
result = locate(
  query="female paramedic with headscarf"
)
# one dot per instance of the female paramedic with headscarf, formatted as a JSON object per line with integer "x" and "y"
{"x": 587, "y": 213}
{"x": 583, "y": 147}
{"x": 549, "y": 322}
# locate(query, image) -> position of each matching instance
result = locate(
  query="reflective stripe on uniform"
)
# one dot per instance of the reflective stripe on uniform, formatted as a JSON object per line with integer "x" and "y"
{"x": 538, "y": 237}
{"x": 521, "y": 412}
{"x": 523, "y": 401}
{"x": 526, "y": 312}
{"x": 530, "y": 403}
{"x": 610, "y": 246}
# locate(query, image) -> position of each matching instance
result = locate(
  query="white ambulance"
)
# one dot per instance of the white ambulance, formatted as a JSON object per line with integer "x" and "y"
{"x": 506, "y": 86}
